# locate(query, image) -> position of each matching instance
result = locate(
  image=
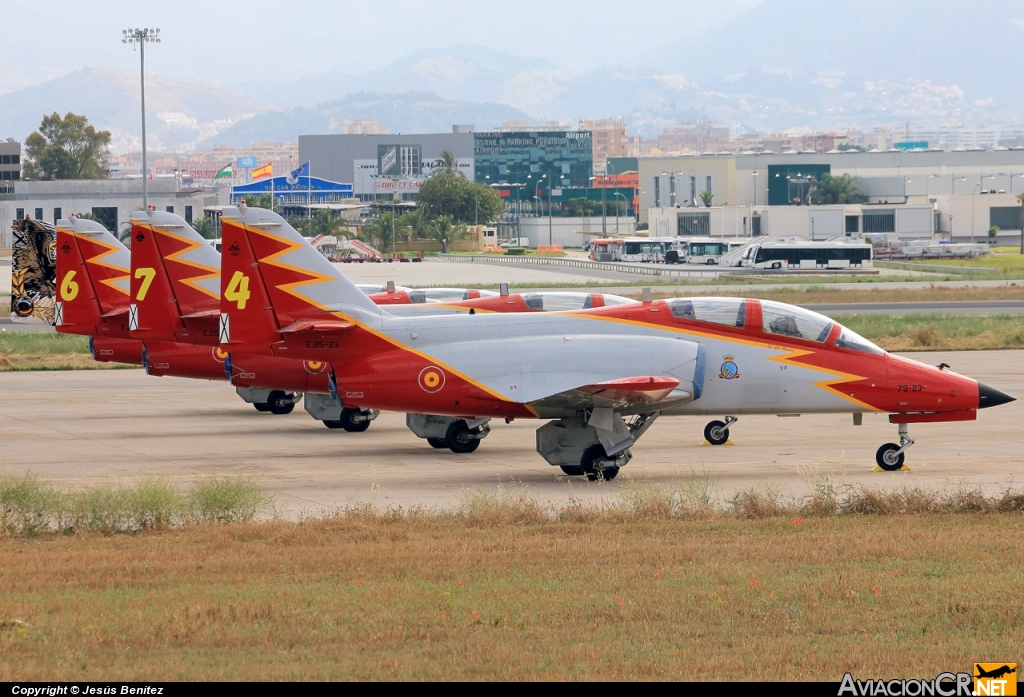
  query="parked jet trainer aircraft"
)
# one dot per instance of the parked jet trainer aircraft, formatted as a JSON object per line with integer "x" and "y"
{"x": 588, "y": 371}
{"x": 175, "y": 284}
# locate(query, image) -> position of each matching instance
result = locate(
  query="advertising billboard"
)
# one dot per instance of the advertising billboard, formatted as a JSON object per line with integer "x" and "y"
{"x": 248, "y": 162}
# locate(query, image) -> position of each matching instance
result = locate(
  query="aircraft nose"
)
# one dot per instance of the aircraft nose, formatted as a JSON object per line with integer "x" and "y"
{"x": 991, "y": 397}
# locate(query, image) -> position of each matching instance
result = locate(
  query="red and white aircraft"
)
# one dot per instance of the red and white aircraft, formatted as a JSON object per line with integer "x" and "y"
{"x": 602, "y": 375}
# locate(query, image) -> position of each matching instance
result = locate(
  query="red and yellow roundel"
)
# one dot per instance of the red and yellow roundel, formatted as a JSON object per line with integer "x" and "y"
{"x": 314, "y": 367}
{"x": 219, "y": 354}
{"x": 431, "y": 379}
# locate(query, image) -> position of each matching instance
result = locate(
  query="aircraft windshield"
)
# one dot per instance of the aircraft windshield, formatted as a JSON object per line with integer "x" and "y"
{"x": 849, "y": 339}
{"x": 795, "y": 322}
{"x": 730, "y": 312}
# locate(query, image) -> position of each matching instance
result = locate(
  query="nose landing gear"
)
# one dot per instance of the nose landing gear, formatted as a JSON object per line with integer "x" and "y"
{"x": 717, "y": 432}
{"x": 890, "y": 457}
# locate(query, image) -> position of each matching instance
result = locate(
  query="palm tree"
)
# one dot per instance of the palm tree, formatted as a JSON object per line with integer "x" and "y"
{"x": 706, "y": 197}
{"x": 450, "y": 163}
{"x": 444, "y": 230}
{"x": 328, "y": 224}
{"x": 416, "y": 224}
{"x": 382, "y": 228}
{"x": 835, "y": 190}
{"x": 204, "y": 226}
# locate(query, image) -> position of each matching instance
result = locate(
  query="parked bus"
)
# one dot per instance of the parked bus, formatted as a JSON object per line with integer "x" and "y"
{"x": 643, "y": 249}
{"x": 606, "y": 250}
{"x": 808, "y": 255}
{"x": 705, "y": 251}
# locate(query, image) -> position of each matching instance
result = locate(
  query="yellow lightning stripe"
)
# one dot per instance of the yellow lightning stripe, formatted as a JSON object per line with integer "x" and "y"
{"x": 193, "y": 282}
{"x": 99, "y": 260}
{"x": 829, "y": 384}
{"x": 320, "y": 278}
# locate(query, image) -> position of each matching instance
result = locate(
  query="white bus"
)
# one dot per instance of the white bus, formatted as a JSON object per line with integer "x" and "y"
{"x": 705, "y": 251}
{"x": 808, "y": 255}
{"x": 649, "y": 249}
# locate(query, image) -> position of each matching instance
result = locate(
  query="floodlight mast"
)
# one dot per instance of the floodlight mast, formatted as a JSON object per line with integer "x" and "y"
{"x": 141, "y": 37}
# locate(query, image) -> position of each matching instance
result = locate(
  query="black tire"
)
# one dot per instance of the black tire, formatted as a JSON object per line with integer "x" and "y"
{"x": 610, "y": 473}
{"x": 353, "y": 426}
{"x": 590, "y": 455}
{"x": 710, "y": 262}
{"x": 716, "y": 433}
{"x": 334, "y": 424}
{"x": 454, "y": 438}
{"x": 279, "y": 403}
{"x": 261, "y": 406}
{"x": 572, "y": 470}
{"x": 437, "y": 443}
{"x": 885, "y": 460}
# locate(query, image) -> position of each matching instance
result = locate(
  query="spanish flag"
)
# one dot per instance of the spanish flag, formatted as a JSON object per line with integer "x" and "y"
{"x": 266, "y": 170}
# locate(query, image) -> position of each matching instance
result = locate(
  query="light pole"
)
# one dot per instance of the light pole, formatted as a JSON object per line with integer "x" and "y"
{"x": 951, "y": 228}
{"x": 671, "y": 187}
{"x": 974, "y": 201}
{"x": 953, "y": 183}
{"x": 754, "y": 175}
{"x": 617, "y": 209}
{"x": 141, "y": 37}
{"x": 928, "y": 183}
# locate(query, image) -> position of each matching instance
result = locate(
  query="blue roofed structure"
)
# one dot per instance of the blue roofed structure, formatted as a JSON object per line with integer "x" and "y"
{"x": 297, "y": 195}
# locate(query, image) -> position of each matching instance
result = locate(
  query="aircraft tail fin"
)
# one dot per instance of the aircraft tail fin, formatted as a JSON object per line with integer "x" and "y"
{"x": 300, "y": 282}
{"x": 247, "y": 320}
{"x": 92, "y": 280}
{"x": 175, "y": 280}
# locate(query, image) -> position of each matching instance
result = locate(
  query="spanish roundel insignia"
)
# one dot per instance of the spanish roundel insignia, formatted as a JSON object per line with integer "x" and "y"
{"x": 314, "y": 367}
{"x": 219, "y": 354}
{"x": 431, "y": 379}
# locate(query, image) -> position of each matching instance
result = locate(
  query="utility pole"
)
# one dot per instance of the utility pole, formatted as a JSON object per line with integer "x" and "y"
{"x": 141, "y": 37}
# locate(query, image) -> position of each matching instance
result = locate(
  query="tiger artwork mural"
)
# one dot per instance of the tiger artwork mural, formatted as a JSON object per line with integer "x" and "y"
{"x": 33, "y": 271}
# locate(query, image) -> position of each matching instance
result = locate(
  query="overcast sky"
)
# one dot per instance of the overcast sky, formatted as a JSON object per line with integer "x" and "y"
{"x": 223, "y": 42}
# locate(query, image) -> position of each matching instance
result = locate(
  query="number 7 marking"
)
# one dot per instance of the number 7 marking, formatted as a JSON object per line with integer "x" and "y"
{"x": 147, "y": 275}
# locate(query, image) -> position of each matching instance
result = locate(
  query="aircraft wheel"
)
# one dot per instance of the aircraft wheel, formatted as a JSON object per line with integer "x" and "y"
{"x": 353, "y": 426}
{"x": 716, "y": 433}
{"x": 456, "y": 441}
{"x": 437, "y": 443}
{"x": 587, "y": 463}
{"x": 261, "y": 406}
{"x": 572, "y": 470}
{"x": 334, "y": 424}
{"x": 278, "y": 403}
{"x": 887, "y": 458}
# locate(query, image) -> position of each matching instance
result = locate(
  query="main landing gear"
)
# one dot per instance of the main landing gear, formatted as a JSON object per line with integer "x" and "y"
{"x": 717, "y": 432}
{"x": 353, "y": 420}
{"x": 458, "y": 435}
{"x": 890, "y": 456}
{"x": 595, "y": 444}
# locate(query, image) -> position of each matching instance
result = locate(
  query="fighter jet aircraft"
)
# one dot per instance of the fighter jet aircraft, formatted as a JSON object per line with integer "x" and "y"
{"x": 602, "y": 376}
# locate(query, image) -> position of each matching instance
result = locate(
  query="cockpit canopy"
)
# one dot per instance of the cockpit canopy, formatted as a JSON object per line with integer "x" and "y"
{"x": 777, "y": 319}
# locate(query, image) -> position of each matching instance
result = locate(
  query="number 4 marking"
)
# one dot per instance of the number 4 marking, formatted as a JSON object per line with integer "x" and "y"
{"x": 238, "y": 289}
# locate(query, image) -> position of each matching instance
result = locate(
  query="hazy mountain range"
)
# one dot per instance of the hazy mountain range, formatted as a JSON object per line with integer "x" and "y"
{"x": 784, "y": 64}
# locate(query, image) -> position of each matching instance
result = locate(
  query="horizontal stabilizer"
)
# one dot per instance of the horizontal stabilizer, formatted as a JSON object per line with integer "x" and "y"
{"x": 203, "y": 314}
{"x": 634, "y": 390}
{"x": 116, "y": 312}
{"x": 316, "y": 326}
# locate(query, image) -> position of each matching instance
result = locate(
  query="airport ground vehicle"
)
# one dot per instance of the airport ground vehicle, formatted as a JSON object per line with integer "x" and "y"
{"x": 515, "y": 242}
{"x": 705, "y": 251}
{"x": 602, "y": 376}
{"x": 786, "y": 254}
{"x": 606, "y": 250}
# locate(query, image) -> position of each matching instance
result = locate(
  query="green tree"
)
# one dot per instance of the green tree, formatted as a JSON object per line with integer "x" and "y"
{"x": 415, "y": 225}
{"x": 581, "y": 207}
{"x": 836, "y": 190}
{"x": 204, "y": 226}
{"x": 465, "y": 201}
{"x": 450, "y": 164}
{"x": 444, "y": 229}
{"x": 260, "y": 201}
{"x": 381, "y": 228}
{"x": 707, "y": 198}
{"x": 328, "y": 224}
{"x": 993, "y": 231}
{"x": 66, "y": 148}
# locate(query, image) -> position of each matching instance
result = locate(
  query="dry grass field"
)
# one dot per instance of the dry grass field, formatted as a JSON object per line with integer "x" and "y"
{"x": 47, "y": 351}
{"x": 510, "y": 589}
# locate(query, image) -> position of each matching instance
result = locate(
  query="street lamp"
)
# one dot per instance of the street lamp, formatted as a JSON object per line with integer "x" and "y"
{"x": 974, "y": 201}
{"x": 754, "y": 175}
{"x": 953, "y": 183}
{"x": 617, "y": 209}
{"x": 1011, "y": 180}
{"x": 141, "y": 37}
{"x": 927, "y": 184}
{"x": 671, "y": 187}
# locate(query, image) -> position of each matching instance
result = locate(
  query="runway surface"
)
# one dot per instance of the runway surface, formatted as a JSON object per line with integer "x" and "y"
{"x": 78, "y": 427}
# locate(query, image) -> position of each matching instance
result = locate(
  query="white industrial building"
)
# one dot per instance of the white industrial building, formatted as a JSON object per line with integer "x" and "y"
{"x": 111, "y": 201}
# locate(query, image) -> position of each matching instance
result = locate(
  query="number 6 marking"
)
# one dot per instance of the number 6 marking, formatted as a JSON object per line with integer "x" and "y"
{"x": 147, "y": 276}
{"x": 69, "y": 289}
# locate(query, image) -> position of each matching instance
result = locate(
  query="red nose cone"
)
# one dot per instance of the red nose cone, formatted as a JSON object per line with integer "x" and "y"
{"x": 991, "y": 397}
